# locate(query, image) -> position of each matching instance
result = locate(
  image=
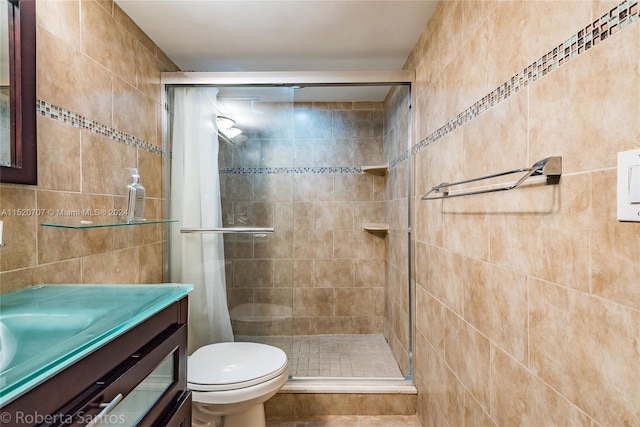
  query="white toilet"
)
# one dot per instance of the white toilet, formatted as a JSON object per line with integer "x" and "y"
{"x": 233, "y": 380}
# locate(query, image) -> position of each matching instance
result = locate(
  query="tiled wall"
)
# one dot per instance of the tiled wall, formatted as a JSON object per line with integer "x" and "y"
{"x": 528, "y": 311}
{"x": 319, "y": 273}
{"x": 98, "y": 89}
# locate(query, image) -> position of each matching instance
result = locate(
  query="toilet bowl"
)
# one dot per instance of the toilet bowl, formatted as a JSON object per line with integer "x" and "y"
{"x": 233, "y": 380}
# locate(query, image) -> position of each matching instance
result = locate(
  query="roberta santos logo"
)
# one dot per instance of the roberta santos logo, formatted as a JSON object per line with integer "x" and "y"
{"x": 19, "y": 418}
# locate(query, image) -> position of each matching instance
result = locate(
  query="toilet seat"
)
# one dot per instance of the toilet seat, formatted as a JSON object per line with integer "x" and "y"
{"x": 233, "y": 365}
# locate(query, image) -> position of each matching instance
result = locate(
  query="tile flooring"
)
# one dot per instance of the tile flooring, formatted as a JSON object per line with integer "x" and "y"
{"x": 352, "y": 421}
{"x": 366, "y": 355}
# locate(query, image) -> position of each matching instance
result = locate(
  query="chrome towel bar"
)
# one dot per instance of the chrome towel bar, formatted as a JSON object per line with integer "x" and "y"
{"x": 230, "y": 230}
{"x": 551, "y": 167}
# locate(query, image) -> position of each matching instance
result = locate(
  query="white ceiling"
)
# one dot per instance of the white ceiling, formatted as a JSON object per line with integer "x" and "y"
{"x": 294, "y": 35}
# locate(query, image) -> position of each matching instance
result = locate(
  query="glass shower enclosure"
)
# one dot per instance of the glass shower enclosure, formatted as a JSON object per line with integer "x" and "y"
{"x": 314, "y": 181}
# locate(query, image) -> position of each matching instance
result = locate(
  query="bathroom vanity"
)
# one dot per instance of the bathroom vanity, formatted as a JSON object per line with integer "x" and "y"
{"x": 94, "y": 355}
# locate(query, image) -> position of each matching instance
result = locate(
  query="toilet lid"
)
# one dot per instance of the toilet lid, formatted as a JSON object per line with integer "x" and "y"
{"x": 233, "y": 365}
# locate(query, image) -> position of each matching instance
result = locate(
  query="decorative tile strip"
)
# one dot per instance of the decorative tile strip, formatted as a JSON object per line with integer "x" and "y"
{"x": 78, "y": 121}
{"x": 285, "y": 170}
{"x": 596, "y": 32}
{"x": 401, "y": 158}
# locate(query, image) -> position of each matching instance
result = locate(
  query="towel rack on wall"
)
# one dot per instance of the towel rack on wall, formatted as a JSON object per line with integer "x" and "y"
{"x": 551, "y": 167}
{"x": 230, "y": 230}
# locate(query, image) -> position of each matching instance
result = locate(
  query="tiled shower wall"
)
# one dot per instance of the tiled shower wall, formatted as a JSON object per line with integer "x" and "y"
{"x": 319, "y": 273}
{"x": 528, "y": 310}
{"x": 98, "y": 89}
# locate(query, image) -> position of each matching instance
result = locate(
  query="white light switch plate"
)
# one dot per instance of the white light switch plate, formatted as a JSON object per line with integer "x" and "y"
{"x": 628, "y": 164}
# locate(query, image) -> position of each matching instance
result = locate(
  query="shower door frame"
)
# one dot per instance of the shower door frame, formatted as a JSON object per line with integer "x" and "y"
{"x": 309, "y": 79}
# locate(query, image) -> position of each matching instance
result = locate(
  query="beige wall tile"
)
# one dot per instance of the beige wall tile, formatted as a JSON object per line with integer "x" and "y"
{"x": 283, "y": 271}
{"x": 507, "y": 123}
{"x": 586, "y": 348}
{"x": 583, "y": 110}
{"x": 252, "y": 273}
{"x": 124, "y": 237}
{"x": 106, "y": 42}
{"x": 369, "y": 273}
{"x": 134, "y": 113}
{"x": 524, "y": 31}
{"x": 70, "y": 80}
{"x": 325, "y": 404}
{"x": 445, "y": 278}
{"x": 333, "y": 273}
{"x": 59, "y": 272}
{"x": 430, "y": 319}
{"x": 446, "y": 391}
{"x": 351, "y": 187}
{"x": 112, "y": 267}
{"x": 333, "y": 216}
{"x": 16, "y": 279}
{"x": 148, "y": 70}
{"x": 313, "y": 302}
{"x": 368, "y": 151}
{"x": 20, "y": 219}
{"x": 386, "y": 404}
{"x": 150, "y": 169}
{"x": 105, "y": 164}
{"x": 277, "y": 245}
{"x": 280, "y": 407}
{"x": 613, "y": 257}
{"x": 495, "y": 303}
{"x": 474, "y": 414}
{"x": 353, "y": 301}
{"x": 151, "y": 263}
{"x": 313, "y": 244}
{"x": 553, "y": 245}
{"x": 59, "y": 161}
{"x": 468, "y": 353}
{"x": 311, "y": 187}
{"x": 518, "y": 397}
{"x": 273, "y": 188}
{"x": 61, "y": 18}
{"x": 236, "y": 188}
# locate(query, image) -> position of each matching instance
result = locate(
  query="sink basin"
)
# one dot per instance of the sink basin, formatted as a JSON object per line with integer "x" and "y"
{"x": 35, "y": 331}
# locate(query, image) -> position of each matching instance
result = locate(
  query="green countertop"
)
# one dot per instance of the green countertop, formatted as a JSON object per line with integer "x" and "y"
{"x": 46, "y": 328}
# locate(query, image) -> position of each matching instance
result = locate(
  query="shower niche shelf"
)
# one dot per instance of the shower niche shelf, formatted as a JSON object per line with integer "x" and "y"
{"x": 77, "y": 224}
{"x": 376, "y": 170}
{"x": 376, "y": 227}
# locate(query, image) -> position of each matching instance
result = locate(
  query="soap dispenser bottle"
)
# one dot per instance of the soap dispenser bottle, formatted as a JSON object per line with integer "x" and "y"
{"x": 135, "y": 207}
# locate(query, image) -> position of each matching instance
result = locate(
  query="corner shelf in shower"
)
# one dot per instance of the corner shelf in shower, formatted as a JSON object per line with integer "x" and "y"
{"x": 376, "y": 170}
{"x": 376, "y": 227}
{"x": 76, "y": 223}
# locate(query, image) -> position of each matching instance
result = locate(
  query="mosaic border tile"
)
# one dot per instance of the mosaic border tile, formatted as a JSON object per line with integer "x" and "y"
{"x": 76, "y": 120}
{"x": 301, "y": 170}
{"x": 594, "y": 33}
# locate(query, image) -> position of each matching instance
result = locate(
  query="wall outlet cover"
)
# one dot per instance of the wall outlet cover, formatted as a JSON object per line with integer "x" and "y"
{"x": 628, "y": 167}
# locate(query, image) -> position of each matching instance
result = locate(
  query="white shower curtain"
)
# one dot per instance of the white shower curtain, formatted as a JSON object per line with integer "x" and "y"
{"x": 195, "y": 202}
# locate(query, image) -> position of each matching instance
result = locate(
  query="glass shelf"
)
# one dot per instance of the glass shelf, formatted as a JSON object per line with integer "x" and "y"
{"x": 81, "y": 223}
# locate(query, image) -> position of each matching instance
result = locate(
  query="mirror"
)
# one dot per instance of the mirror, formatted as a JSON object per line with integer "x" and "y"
{"x": 18, "y": 155}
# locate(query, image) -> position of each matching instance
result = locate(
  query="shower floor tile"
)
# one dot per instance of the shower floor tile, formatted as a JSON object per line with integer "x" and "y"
{"x": 335, "y": 355}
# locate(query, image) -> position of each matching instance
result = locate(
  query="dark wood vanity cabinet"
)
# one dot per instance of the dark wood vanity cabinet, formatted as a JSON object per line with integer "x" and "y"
{"x": 141, "y": 374}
